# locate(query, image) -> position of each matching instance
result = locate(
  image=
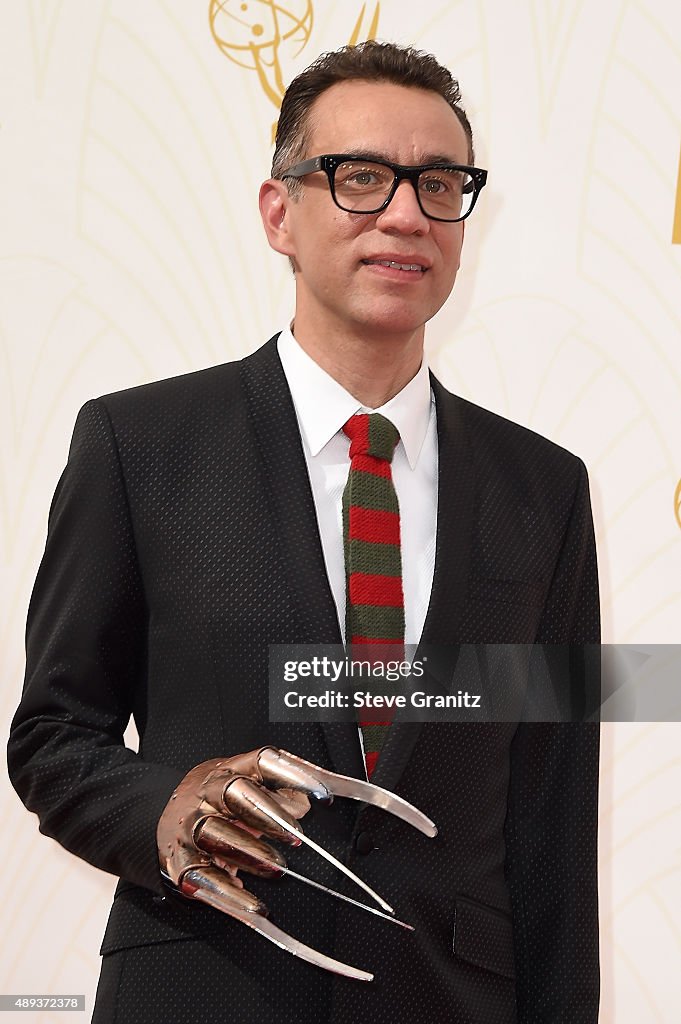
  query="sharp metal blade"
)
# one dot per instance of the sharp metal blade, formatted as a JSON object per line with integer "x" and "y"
{"x": 357, "y": 789}
{"x": 348, "y": 899}
{"x": 324, "y": 853}
{"x": 285, "y": 941}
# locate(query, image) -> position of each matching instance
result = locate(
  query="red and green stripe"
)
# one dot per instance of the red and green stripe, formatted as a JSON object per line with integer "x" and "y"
{"x": 371, "y": 534}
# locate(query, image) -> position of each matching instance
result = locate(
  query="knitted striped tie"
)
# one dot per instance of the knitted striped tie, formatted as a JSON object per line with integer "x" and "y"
{"x": 373, "y": 563}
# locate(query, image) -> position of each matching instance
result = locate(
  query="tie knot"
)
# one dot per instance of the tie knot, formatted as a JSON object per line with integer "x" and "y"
{"x": 372, "y": 434}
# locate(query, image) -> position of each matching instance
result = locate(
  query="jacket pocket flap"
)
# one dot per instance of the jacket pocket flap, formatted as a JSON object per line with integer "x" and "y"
{"x": 140, "y": 918}
{"x": 483, "y": 936}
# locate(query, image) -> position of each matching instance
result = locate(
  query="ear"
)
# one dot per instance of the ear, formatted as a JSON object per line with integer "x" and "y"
{"x": 274, "y": 201}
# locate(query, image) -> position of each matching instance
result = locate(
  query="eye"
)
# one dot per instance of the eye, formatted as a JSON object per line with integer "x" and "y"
{"x": 433, "y": 186}
{"x": 362, "y": 177}
{"x": 435, "y": 183}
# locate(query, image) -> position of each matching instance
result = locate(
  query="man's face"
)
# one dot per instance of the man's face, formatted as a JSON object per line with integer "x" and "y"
{"x": 339, "y": 284}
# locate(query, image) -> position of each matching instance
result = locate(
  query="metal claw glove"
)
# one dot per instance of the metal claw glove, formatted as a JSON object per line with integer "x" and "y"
{"x": 212, "y": 824}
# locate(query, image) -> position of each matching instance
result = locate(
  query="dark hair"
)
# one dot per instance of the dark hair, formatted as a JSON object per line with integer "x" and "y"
{"x": 368, "y": 62}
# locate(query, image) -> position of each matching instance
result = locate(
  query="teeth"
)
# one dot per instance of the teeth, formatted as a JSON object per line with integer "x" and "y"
{"x": 397, "y": 266}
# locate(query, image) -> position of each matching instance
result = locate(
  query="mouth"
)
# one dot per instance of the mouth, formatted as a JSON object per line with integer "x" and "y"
{"x": 405, "y": 268}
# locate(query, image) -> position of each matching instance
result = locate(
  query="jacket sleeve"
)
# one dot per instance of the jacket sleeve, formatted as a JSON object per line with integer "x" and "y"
{"x": 552, "y": 822}
{"x": 85, "y": 672}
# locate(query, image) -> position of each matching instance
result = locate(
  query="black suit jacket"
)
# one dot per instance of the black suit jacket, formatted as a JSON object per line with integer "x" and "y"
{"x": 182, "y": 541}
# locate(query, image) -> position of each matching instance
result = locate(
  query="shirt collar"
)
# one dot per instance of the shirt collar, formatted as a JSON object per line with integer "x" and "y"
{"x": 323, "y": 405}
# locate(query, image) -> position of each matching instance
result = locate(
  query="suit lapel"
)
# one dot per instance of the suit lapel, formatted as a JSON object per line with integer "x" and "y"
{"x": 456, "y": 493}
{"x": 275, "y": 427}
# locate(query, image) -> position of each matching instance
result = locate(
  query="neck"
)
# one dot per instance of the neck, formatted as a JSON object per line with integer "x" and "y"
{"x": 373, "y": 368}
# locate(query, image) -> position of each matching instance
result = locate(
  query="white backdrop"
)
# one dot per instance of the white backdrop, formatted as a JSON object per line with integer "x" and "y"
{"x": 131, "y": 148}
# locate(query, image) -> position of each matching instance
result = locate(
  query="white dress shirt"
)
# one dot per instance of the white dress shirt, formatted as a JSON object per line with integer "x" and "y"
{"x": 322, "y": 407}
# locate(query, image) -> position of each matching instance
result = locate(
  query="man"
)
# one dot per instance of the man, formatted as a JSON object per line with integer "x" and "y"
{"x": 198, "y": 521}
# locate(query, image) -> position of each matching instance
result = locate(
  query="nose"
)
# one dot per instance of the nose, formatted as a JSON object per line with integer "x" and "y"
{"x": 403, "y": 212}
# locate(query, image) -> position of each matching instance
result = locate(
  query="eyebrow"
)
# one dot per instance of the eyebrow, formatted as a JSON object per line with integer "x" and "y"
{"x": 427, "y": 158}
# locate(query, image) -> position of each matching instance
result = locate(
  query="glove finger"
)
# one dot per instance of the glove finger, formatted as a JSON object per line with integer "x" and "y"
{"x": 249, "y": 803}
{"x": 211, "y": 885}
{"x": 231, "y": 846}
{"x": 278, "y": 771}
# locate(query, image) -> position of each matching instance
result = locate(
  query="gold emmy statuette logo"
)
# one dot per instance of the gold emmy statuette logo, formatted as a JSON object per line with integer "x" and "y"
{"x": 256, "y": 33}
{"x": 677, "y": 503}
{"x": 676, "y": 230}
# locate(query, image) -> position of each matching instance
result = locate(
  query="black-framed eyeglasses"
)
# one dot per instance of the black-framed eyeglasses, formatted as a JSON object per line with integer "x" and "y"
{"x": 446, "y": 192}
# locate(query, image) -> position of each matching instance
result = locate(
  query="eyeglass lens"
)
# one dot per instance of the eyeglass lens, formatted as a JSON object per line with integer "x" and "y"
{"x": 361, "y": 187}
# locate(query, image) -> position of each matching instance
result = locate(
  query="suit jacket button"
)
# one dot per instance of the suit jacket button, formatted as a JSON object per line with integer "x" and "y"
{"x": 364, "y": 843}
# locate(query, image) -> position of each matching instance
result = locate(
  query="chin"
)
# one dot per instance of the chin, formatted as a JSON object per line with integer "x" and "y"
{"x": 403, "y": 321}
{"x": 390, "y": 328}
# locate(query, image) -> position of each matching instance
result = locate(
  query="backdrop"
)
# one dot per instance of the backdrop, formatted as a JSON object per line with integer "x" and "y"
{"x": 133, "y": 137}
